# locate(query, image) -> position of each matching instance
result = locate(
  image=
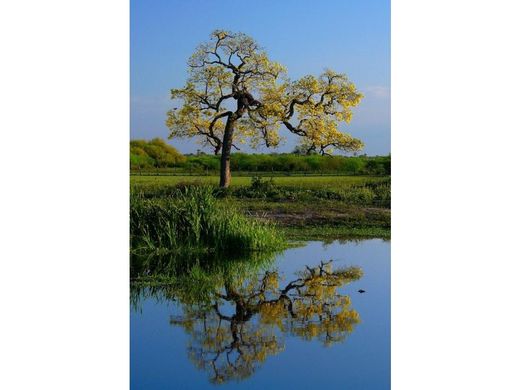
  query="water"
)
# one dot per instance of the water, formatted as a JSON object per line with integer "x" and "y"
{"x": 174, "y": 345}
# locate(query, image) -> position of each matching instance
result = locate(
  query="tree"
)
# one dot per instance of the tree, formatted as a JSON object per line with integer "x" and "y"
{"x": 155, "y": 153}
{"x": 218, "y": 103}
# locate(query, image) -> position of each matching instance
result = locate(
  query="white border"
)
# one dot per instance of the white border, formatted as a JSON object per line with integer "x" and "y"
{"x": 455, "y": 254}
{"x": 64, "y": 83}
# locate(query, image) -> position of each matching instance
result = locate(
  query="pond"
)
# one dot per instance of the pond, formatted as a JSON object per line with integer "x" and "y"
{"x": 297, "y": 320}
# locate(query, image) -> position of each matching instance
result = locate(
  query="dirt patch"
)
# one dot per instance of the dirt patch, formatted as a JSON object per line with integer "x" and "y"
{"x": 359, "y": 217}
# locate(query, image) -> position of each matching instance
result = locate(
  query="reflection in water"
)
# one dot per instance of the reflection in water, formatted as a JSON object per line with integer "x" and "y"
{"x": 237, "y": 312}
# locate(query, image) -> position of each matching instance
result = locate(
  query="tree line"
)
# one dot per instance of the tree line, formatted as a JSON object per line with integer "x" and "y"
{"x": 158, "y": 154}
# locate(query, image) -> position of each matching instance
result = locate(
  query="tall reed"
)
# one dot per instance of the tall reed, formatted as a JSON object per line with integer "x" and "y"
{"x": 191, "y": 218}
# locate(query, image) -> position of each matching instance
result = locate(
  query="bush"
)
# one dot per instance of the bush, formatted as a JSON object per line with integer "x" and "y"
{"x": 155, "y": 153}
{"x": 260, "y": 188}
{"x": 139, "y": 158}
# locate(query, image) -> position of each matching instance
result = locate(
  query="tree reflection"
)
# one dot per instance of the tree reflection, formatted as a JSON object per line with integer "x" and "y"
{"x": 235, "y": 320}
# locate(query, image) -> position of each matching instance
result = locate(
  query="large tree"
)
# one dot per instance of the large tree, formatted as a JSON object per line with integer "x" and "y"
{"x": 235, "y": 94}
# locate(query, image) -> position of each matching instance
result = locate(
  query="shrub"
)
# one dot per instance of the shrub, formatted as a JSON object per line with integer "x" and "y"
{"x": 139, "y": 158}
{"x": 154, "y": 153}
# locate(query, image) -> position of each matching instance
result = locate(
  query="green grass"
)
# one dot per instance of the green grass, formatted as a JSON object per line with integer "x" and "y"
{"x": 364, "y": 191}
{"x": 308, "y": 182}
{"x": 339, "y": 206}
{"x": 192, "y": 219}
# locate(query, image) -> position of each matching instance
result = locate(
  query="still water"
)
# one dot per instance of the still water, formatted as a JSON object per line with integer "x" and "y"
{"x": 298, "y": 322}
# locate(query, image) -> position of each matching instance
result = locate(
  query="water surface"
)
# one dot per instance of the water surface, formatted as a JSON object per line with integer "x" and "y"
{"x": 256, "y": 330}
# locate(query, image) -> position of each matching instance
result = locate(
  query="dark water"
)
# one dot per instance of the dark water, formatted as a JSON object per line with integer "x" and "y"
{"x": 322, "y": 333}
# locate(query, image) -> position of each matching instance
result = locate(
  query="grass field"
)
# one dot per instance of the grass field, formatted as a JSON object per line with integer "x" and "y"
{"x": 337, "y": 182}
{"x": 305, "y": 207}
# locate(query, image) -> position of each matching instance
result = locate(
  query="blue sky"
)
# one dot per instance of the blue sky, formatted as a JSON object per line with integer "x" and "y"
{"x": 349, "y": 36}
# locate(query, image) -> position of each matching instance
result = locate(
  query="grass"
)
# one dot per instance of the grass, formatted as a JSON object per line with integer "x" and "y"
{"x": 191, "y": 219}
{"x": 307, "y": 182}
{"x": 339, "y": 206}
{"x": 364, "y": 191}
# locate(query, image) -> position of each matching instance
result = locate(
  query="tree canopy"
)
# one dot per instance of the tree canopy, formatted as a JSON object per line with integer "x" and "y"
{"x": 235, "y": 94}
{"x": 154, "y": 153}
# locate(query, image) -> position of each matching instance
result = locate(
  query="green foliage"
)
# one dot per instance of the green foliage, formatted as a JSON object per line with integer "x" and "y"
{"x": 158, "y": 154}
{"x": 292, "y": 163}
{"x": 304, "y": 181}
{"x": 259, "y": 188}
{"x": 355, "y": 191}
{"x": 190, "y": 218}
{"x": 366, "y": 194}
{"x": 345, "y": 205}
{"x": 154, "y": 153}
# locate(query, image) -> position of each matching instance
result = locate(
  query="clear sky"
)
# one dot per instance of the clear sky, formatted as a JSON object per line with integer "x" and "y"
{"x": 349, "y": 36}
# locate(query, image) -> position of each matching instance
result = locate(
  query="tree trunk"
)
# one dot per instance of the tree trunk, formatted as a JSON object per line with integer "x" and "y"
{"x": 225, "y": 167}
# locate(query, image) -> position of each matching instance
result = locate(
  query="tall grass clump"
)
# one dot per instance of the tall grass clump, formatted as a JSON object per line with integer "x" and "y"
{"x": 191, "y": 219}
